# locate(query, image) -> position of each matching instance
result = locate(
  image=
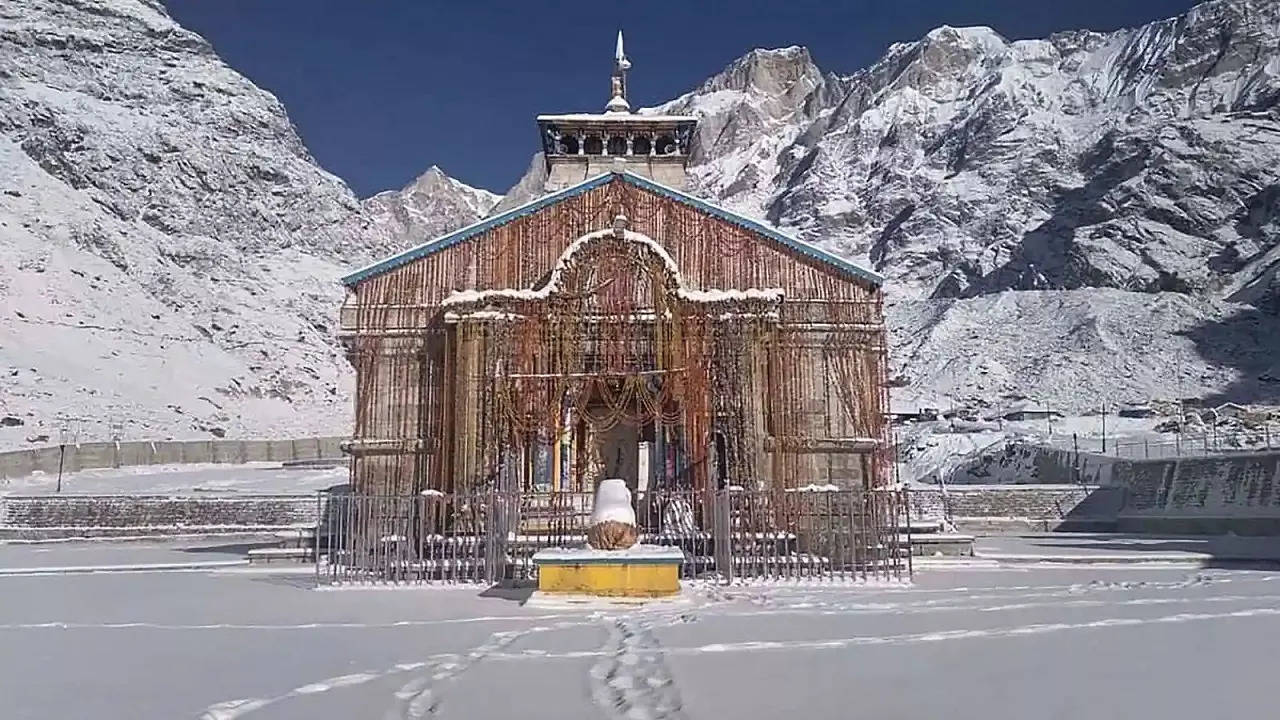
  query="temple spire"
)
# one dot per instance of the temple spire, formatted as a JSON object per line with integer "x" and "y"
{"x": 618, "y": 99}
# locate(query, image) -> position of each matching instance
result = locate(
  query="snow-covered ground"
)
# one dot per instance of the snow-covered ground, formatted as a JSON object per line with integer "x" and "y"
{"x": 251, "y": 478}
{"x": 928, "y": 449}
{"x": 967, "y": 641}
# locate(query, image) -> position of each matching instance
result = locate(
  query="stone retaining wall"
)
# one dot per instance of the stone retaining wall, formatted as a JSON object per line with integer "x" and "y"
{"x": 1028, "y": 463}
{"x": 19, "y": 463}
{"x": 43, "y": 516}
{"x": 1203, "y": 495}
{"x": 1239, "y": 494}
{"x": 1020, "y": 508}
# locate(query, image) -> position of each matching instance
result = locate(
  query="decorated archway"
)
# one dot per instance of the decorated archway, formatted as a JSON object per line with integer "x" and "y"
{"x": 610, "y": 352}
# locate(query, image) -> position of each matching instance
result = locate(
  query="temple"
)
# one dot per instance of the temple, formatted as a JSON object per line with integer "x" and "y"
{"x": 616, "y": 326}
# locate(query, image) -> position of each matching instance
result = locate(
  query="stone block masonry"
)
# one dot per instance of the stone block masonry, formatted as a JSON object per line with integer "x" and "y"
{"x": 84, "y": 456}
{"x": 42, "y": 517}
{"x": 1239, "y": 494}
{"x": 1019, "y": 508}
{"x": 1201, "y": 495}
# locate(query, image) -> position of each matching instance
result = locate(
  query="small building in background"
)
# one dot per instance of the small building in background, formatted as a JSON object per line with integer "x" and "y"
{"x": 1030, "y": 412}
{"x": 1232, "y": 410}
{"x": 1137, "y": 410}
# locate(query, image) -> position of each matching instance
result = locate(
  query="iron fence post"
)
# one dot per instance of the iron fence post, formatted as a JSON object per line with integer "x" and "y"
{"x": 316, "y": 540}
{"x": 906, "y": 504}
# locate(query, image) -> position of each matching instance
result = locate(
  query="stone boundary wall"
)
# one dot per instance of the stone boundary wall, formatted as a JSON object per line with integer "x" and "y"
{"x": 1210, "y": 495}
{"x": 1027, "y": 463}
{"x": 1239, "y": 494}
{"x": 84, "y": 456}
{"x": 1194, "y": 495}
{"x": 55, "y": 516}
{"x": 994, "y": 509}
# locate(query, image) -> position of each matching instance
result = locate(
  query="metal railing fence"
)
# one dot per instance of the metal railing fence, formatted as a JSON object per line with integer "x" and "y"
{"x": 491, "y": 537}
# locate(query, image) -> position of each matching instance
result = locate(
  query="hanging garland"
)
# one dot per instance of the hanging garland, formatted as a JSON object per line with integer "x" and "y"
{"x": 616, "y": 345}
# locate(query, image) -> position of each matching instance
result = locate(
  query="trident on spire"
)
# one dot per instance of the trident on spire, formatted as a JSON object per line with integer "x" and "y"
{"x": 619, "y": 56}
{"x": 618, "y": 100}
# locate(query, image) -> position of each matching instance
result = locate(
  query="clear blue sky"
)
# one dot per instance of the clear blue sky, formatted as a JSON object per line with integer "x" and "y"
{"x": 382, "y": 89}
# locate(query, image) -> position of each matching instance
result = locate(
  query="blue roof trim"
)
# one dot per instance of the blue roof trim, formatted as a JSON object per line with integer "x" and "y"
{"x": 470, "y": 231}
{"x": 800, "y": 246}
{"x": 462, "y": 235}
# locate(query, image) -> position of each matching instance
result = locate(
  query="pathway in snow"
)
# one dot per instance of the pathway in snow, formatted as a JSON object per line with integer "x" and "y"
{"x": 262, "y": 647}
{"x": 631, "y": 680}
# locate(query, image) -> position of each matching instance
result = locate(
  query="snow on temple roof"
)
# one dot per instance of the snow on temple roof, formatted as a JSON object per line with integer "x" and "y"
{"x": 462, "y": 235}
{"x": 553, "y": 284}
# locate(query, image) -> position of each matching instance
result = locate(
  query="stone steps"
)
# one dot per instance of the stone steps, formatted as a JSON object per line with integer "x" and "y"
{"x": 264, "y": 556}
{"x": 919, "y": 527}
{"x": 939, "y": 543}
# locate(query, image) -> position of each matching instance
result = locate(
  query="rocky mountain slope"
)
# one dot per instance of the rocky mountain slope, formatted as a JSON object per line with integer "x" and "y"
{"x": 430, "y": 206}
{"x": 169, "y": 251}
{"x": 1088, "y": 217}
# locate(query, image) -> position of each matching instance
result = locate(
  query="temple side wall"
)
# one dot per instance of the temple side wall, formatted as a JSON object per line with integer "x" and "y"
{"x": 398, "y": 414}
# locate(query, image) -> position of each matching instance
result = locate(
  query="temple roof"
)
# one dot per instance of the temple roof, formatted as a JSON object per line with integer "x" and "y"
{"x": 617, "y": 118}
{"x": 462, "y": 235}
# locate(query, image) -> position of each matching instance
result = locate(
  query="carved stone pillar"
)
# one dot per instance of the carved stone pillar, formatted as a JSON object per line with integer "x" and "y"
{"x": 757, "y": 392}
{"x": 466, "y": 406}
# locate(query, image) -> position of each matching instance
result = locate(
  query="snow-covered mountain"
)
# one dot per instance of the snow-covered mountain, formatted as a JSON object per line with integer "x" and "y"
{"x": 1090, "y": 216}
{"x": 430, "y": 206}
{"x": 169, "y": 251}
{"x": 1073, "y": 218}
{"x": 964, "y": 164}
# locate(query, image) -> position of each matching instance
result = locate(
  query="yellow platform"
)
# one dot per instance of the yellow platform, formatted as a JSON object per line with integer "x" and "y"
{"x": 640, "y": 571}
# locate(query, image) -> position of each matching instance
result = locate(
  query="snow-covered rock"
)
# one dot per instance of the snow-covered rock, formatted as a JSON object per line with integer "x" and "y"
{"x": 430, "y": 206}
{"x": 1089, "y": 217}
{"x": 169, "y": 251}
{"x": 529, "y": 187}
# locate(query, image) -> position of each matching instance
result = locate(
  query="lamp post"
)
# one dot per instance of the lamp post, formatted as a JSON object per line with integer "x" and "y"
{"x": 1104, "y": 427}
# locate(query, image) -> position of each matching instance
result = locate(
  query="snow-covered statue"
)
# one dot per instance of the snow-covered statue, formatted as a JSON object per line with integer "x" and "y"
{"x": 613, "y": 521}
